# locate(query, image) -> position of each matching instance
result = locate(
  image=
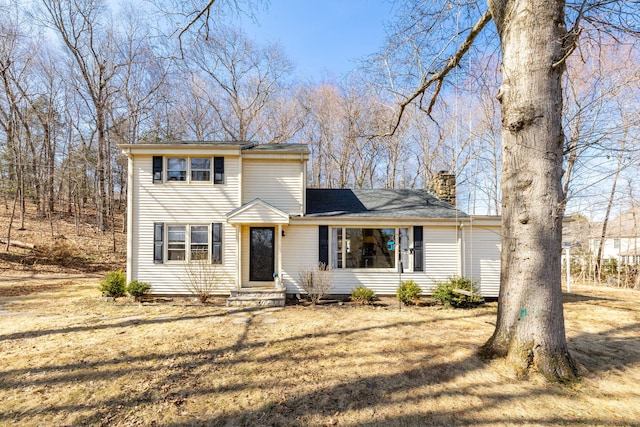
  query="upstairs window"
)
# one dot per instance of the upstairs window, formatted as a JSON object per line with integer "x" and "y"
{"x": 200, "y": 169}
{"x": 176, "y": 169}
{"x": 188, "y": 169}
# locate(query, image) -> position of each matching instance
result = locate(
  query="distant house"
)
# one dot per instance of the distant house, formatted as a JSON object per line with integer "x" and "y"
{"x": 245, "y": 209}
{"x": 622, "y": 238}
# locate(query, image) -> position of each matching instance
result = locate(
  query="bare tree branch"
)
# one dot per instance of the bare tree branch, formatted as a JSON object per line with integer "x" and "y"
{"x": 205, "y": 10}
{"x": 441, "y": 75}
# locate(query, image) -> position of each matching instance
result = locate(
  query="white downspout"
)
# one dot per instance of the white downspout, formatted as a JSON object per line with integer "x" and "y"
{"x": 130, "y": 200}
{"x": 461, "y": 253}
{"x": 303, "y": 178}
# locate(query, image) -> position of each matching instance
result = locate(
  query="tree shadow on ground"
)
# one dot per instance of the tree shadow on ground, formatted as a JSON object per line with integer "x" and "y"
{"x": 424, "y": 381}
{"x": 602, "y": 352}
{"x": 568, "y": 298}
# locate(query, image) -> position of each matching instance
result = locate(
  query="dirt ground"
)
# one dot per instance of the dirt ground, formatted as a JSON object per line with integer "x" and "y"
{"x": 69, "y": 358}
{"x": 62, "y": 246}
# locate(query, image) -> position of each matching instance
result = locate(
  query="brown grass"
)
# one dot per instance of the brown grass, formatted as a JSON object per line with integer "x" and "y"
{"x": 68, "y": 358}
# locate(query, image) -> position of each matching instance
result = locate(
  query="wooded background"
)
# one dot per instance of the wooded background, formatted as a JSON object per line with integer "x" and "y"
{"x": 79, "y": 78}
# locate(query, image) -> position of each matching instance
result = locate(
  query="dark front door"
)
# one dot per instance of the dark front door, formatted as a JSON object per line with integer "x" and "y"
{"x": 261, "y": 253}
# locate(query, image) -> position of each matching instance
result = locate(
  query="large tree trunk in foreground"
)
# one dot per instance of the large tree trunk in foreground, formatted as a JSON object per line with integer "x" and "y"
{"x": 530, "y": 327}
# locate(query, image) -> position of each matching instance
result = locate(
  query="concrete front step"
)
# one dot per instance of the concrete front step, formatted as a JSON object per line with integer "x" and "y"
{"x": 257, "y": 297}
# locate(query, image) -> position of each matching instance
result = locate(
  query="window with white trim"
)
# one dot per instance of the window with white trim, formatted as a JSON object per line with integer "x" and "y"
{"x": 176, "y": 169}
{"x": 363, "y": 248}
{"x": 199, "y": 242}
{"x": 193, "y": 237}
{"x": 405, "y": 247}
{"x": 201, "y": 169}
{"x": 176, "y": 242}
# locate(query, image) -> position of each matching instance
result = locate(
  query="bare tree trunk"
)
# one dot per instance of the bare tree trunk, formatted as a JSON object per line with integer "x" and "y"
{"x": 530, "y": 328}
{"x": 50, "y": 158}
{"x": 13, "y": 214}
{"x": 101, "y": 209}
{"x": 605, "y": 222}
{"x": 23, "y": 205}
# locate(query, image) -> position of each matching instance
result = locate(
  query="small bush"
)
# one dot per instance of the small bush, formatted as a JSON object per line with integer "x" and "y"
{"x": 138, "y": 289}
{"x": 316, "y": 281}
{"x": 113, "y": 285}
{"x": 409, "y": 292}
{"x": 204, "y": 279}
{"x": 444, "y": 292}
{"x": 363, "y": 295}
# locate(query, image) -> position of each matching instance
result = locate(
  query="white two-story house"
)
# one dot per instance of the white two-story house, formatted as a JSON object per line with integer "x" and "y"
{"x": 245, "y": 209}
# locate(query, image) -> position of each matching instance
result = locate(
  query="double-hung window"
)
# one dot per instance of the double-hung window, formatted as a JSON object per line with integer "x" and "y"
{"x": 176, "y": 169}
{"x": 201, "y": 169}
{"x": 176, "y": 242}
{"x": 199, "y": 241}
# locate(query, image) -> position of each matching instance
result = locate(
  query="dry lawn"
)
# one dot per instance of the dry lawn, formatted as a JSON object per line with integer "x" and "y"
{"x": 68, "y": 358}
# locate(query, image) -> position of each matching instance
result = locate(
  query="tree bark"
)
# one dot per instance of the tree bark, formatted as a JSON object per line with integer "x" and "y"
{"x": 530, "y": 328}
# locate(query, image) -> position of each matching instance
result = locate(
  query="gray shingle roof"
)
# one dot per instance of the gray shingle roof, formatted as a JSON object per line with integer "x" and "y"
{"x": 248, "y": 146}
{"x": 183, "y": 142}
{"x": 298, "y": 148}
{"x": 378, "y": 203}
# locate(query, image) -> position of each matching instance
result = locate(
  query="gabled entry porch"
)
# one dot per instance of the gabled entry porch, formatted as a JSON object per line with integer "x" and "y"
{"x": 259, "y": 230}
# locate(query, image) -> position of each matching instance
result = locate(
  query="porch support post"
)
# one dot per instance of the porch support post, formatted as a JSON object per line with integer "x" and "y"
{"x": 238, "y": 255}
{"x": 280, "y": 282}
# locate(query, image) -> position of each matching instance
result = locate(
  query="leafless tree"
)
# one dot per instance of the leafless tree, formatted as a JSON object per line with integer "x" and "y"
{"x": 88, "y": 38}
{"x": 240, "y": 81}
{"x": 535, "y": 43}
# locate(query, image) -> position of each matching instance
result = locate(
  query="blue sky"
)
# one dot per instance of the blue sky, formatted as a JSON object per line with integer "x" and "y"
{"x": 324, "y": 38}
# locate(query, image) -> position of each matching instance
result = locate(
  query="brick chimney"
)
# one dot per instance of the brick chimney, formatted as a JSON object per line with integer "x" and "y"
{"x": 443, "y": 184}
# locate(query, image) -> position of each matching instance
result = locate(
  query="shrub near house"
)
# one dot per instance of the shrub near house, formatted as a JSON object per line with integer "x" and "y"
{"x": 114, "y": 284}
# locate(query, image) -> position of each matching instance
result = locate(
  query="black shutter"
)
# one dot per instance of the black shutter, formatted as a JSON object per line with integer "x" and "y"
{"x": 157, "y": 169}
{"x": 216, "y": 243}
{"x": 218, "y": 170}
{"x": 158, "y": 242}
{"x": 418, "y": 257}
{"x": 323, "y": 244}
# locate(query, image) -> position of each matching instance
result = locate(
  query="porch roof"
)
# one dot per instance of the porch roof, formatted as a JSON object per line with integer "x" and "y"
{"x": 256, "y": 212}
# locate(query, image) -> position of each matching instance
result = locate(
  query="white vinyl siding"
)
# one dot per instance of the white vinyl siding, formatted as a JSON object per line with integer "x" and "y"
{"x": 441, "y": 253}
{"x": 179, "y": 203}
{"x": 482, "y": 258}
{"x": 300, "y": 250}
{"x": 278, "y": 183}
